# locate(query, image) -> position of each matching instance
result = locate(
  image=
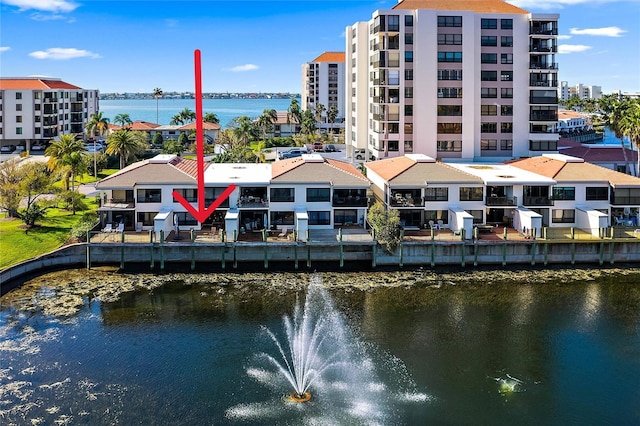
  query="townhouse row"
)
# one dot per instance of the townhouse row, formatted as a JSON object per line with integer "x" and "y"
{"x": 313, "y": 192}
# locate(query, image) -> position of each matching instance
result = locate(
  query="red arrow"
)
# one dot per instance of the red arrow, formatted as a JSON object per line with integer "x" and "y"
{"x": 203, "y": 212}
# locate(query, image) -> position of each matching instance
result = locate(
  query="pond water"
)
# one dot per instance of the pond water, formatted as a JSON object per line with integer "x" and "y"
{"x": 422, "y": 351}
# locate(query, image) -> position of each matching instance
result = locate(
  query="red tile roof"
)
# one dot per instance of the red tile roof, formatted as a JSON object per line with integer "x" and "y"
{"x": 330, "y": 57}
{"x": 34, "y": 84}
{"x": 205, "y": 126}
{"x": 478, "y": 6}
{"x": 189, "y": 167}
{"x": 136, "y": 125}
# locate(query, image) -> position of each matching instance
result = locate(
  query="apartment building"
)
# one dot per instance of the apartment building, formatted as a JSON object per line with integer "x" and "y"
{"x": 566, "y": 92}
{"x": 323, "y": 84}
{"x": 455, "y": 80}
{"x": 35, "y": 110}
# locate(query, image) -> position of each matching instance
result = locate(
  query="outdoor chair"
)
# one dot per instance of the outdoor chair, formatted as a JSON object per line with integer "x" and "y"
{"x": 283, "y": 233}
{"x": 108, "y": 228}
{"x": 120, "y": 228}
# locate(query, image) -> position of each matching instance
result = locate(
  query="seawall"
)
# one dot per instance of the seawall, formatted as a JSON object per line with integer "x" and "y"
{"x": 300, "y": 256}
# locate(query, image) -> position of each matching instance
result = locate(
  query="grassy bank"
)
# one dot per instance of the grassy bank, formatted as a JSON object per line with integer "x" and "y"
{"x": 18, "y": 244}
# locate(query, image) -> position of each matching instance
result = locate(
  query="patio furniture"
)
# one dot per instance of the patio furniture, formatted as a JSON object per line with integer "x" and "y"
{"x": 283, "y": 233}
{"x": 120, "y": 227}
{"x": 108, "y": 228}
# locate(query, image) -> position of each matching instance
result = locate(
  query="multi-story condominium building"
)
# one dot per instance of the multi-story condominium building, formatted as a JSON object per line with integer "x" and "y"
{"x": 566, "y": 92}
{"x": 323, "y": 84}
{"x": 464, "y": 80}
{"x": 35, "y": 110}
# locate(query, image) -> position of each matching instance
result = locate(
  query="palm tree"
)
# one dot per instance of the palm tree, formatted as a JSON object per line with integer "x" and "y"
{"x": 611, "y": 112}
{"x": 123, "y": 120}
{"x": 629, "y": 126}
{"x": 125, "y": 144}
{"x": 266, "y": 120}
{"x": 157, "y": 93}
{"x": 62, "y": 154}
{"x": 183, "y": 117}
{"x": 308, "y": 123}
{"x": 244, "y": 129}
{"x": 332, "y": 113}
{"x": 319, "y": 109}
{"x": 294, "y": 113}
{"x": 97, "y": 124}
{"x": 211, "y": 118}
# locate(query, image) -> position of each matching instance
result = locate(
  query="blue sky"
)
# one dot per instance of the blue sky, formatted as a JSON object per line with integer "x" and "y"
{"x": 250, "y": 46}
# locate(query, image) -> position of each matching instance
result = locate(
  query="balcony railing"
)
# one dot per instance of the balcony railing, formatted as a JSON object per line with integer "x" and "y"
{"x": 625, "y": 201}
{"x": 543, "y": 66}
{"x": 543, "y": 83}
{"x": 501, "y": 201}
{"x": 538, "y": 201}
{"x": 116, "y": 203}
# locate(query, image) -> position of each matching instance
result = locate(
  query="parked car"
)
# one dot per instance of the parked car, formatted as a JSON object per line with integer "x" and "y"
{"x": 8, "y": 149}
{"x": 38, "y": 147}
{"x": 359, "y": 154}
{"x": 89, "y": 147}
{"x": 331, "y": 148}
{"x": 292, "y": 153}
{"x": 317, "y": 146}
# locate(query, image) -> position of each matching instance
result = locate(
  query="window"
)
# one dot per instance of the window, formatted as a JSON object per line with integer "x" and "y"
{"x": 408, "y": 20}
{"x": 488, "y": 92}
{"x": 595, "y": 193}
{"x": 488, "y": 41}
{"x": 449, "y": 56}
{"x": 506, "y": 58}
{"x": 186, "y": 219}
{"x": 319, "y": 218}
{"x": 449, "y": 146}
{"x": 393, "y": 22}
{"x": 408, "y": 128}
{"x": 449, "y": 74}
{"x": 37, "y": 130}
{"x": 488, "y": 144}
{"x": 489, "y": 75}
{"x": 408, "y": 38}
{"x": 471, "y": 194}
{"x": 18, "y": 95}
{"x": 449, "y": 92}
{"x": 18, "y": 107}
{"x": 408, "y": 74}
{"x": 408, "y": 56}
{"x": 543, "y": 145}
{"x": 317, "y": 195}
{"x": 18, "y": 119}
{"x": 506, "y": 144}
{"x": 506, "y": 41}
{"x": 449, "y": 110}
{"x": 449, "y": 21}
{"x": 191, "y": 195}
{"x": 564, "y": 193}
{"x": 506, "y": 24}
{"x": 408, "y": 146}
{"x": 477, "y": 215}
{"x": 408, "y": 92}
{"x": 408, "y": 110}
{"x": 345, "y": 216}
{"x": 563, "y": 216}
{"x": 506, "y": 127}
{"x": 452, "y": 39}
{"x": 18, "y": 130}
{"x": 146, "y": 218}
{"x": 506, "y": 110}
{"x": 436, "y": 194}
{"x": 488, "y": 110}
{"x": 489, "y": 24}
{"x": 282, "y": 218}
{"x": 450, "y": 128}
{"x": 437, "y": 215}
{"x": 489, "y": 58}
{"x": 488, "y": 127}
{"x": 506, "y": 75}
{"x": 149, "y": 195}
{"x": 280, "y": 195}
{"x": 506, "y": 93}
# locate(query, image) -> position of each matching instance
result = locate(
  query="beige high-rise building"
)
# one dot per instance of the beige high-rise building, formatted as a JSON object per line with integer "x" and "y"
{"x": 323, "y": 84}
{"x": 35, "y": 110}
{"x": 474, "y": 80}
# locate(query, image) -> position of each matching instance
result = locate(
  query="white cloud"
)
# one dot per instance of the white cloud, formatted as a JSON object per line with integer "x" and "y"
{"x": 572, "y": 48}
{"x": 55, "y": 6}
{"x": 605, "y": 31}
{"x": 564, "y": 37}
{"x": 51, "y": 17}
{"x": 245, "y": 67}
{"x": 4, "y": 48}
{"x": 61, "y": 53}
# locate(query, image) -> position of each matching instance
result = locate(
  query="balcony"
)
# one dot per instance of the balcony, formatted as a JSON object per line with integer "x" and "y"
{"x": 543, "y": 66}
{"x": 501, "y": 201}
{"x": 544, "y": 116}
{"x": 537, "y": 201}
{"x": 408, "y": 198}
{"x": 118, "y": 204}
{"x": 542, "y": 49}
{"x": 542, "y": 83}
{"x": 250, "y": 201}
{"x": 623, "y": 201}
{"x": 350, "y": 198}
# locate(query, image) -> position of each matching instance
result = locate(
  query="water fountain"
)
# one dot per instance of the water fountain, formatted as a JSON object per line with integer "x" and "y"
{"x": 318, "y": 353}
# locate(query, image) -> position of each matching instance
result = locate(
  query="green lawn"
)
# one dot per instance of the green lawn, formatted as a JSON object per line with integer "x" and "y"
{"x": 17, "y": 245}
